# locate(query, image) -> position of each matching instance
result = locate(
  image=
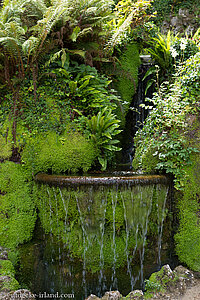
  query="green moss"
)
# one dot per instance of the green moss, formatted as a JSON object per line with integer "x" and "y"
{"x": 6, "y": 268}
{"x": 70, "y": 152}
{"x": 5, "y": 148}
{"x": 188, "y": 237}
{"x": 159, "y": 282}
{"x": 147, "y": 162}
{"x": 9, "y": 283}
{"x": 127, "y": 79}
{"x": 17, "y": 210}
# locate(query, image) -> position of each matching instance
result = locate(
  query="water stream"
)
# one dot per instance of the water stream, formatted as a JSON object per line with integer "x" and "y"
{"x": 91, "y": 239}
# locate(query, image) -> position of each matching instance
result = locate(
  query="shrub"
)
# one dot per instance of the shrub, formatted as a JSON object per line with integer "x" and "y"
{"x": 54, "y": 153}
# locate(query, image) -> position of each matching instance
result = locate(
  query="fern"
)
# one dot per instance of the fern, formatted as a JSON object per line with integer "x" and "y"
{"x": 128, "y": 14}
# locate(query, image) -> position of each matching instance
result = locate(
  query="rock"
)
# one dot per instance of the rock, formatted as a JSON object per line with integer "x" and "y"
{"x": 183, "y": 12}
{"x": 135, "y": 295}
{"x": 112, "y": 295}
{"x": 166, "y": 272}
{"x": 19, "y": 294}
{"x": 165, "y": 27}
{"x": 3, "y": 253}
{"x": 196, "y": 274}
{"x": 175, "y": 21}
{"x": 184, "y": 273}
{"x": 92, "y": 297}
{"x": 189, "y": 30}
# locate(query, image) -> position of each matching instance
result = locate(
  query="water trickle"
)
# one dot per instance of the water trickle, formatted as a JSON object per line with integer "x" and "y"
{"x": 85, "y": 237}
{"x": 102, "y": 230}
{"x": 66, "y": 210}
{"x": 126, "y": 248}
{"x": 146, "y": 195}
{"x": 52, "y": 252}
{"x": 114, "y": 279}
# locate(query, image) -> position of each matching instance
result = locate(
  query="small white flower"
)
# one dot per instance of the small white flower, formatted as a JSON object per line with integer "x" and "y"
{"x": 174, "y": 53}
{"x": 183, "y": 44}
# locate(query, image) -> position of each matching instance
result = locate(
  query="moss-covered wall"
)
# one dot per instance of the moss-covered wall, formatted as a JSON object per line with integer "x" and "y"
{"x": 17, "y": 209}
{"x": 188, "y": 237}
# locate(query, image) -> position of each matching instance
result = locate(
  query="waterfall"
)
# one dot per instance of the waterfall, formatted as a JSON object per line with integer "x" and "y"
{"x": 136, "y": 115}
{"x": 98, "y": 233}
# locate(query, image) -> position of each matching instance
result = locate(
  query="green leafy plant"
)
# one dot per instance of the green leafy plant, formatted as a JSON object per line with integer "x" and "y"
{"x": 100, "y": 130}
{"x": 162, "y": 144}
{"x": 160, "y": 51}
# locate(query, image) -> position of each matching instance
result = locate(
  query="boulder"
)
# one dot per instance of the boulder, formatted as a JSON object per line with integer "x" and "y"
{"x": 112, "y": 295}
{"x": 93, "y": 297}
{"x": 185, "y": 274}
{"x": 135, "y": 295}
{"x": 19, "y": 294}
{"x": 3, "y": 253}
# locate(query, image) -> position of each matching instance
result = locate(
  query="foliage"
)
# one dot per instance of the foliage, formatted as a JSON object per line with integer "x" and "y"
{"x": 165, "y": 8}
{"x": 84, "y": 88}
{"x": 69, "y": 152}
{"x": 151, "y": 286}
{"x": 101, "y": 129}
{"x": 183, "y": 48}
{"x": 66, "y": 94}
{"x": 163, "y": 134}
{"x": 128, "y": 17}
{"x": 5, "y": 148}
{"x": 168, "y": 51}
{"x": 160, "y": 47}
{"x": 17, "y": 208}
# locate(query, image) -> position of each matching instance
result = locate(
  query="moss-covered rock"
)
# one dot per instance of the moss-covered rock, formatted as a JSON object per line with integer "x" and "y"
{"x": 7, "y": 280}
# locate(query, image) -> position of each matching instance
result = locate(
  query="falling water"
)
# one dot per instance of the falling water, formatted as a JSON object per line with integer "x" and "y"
{"x": 114, "y": 279}
{"x": 148, "y": 191}
{"x": 162, "y": 198}
{"x": 102, "y": 230}
{"x": 66, "y": 210}
{"x": 51, "y": 235}
{"x": 126, "y": 248}
{"x": 84, "y": 247}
